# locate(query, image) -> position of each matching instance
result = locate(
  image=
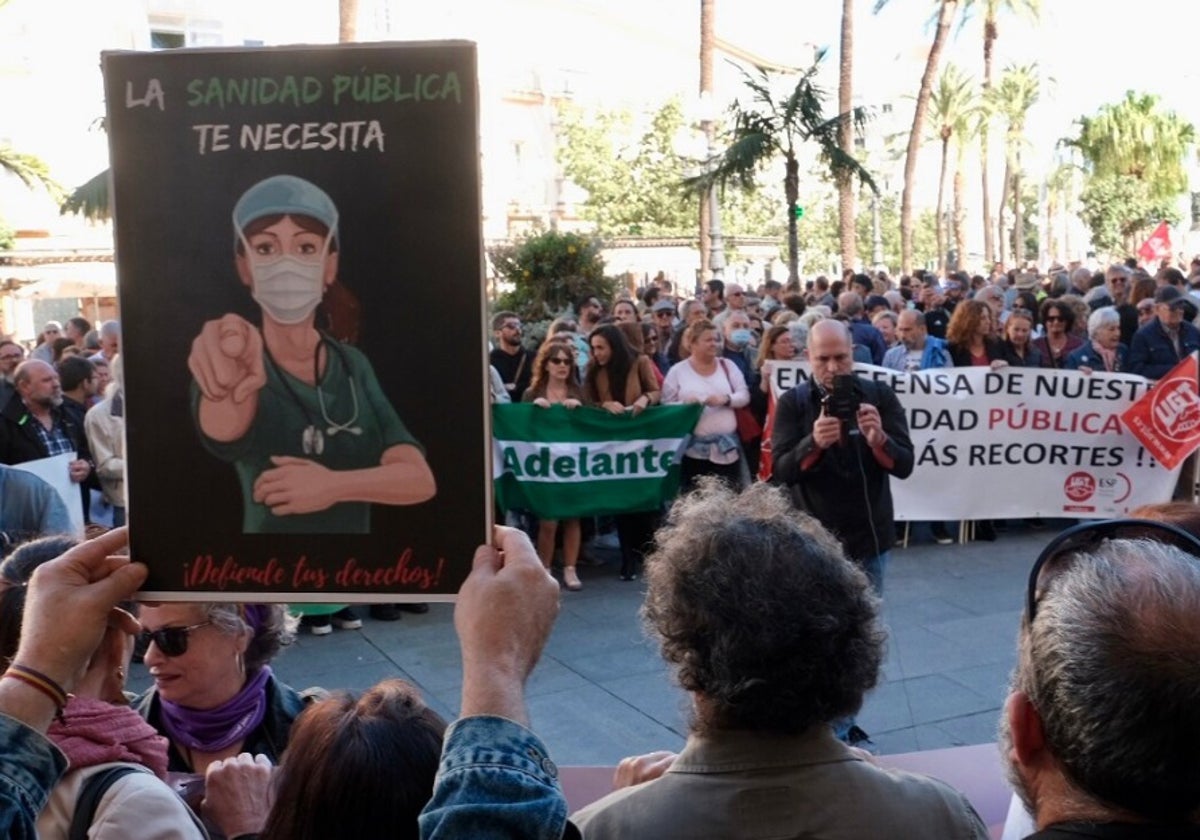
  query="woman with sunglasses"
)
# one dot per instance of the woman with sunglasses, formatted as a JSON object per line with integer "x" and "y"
{"x": 556, "y": 382}
{"x": 214, "y": 695}
{"x": 1058, "y": 319}
{"x": 652, "y": 347}
{"x": 98, "y": 731}
{"x": 621, "y": 379}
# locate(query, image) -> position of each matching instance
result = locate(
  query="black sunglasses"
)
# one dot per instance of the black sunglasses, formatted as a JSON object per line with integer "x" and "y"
{"x": 1090, "y": 534}
{"x": 172, "y": 641}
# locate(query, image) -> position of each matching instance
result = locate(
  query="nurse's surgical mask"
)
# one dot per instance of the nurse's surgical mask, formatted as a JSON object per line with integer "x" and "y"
{"x": 288, "y": 288}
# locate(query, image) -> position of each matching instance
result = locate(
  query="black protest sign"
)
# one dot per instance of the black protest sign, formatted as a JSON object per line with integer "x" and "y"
{"x": 300, "y": 265}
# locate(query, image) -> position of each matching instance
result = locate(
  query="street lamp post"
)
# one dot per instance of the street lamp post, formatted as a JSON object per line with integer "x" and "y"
{"x": 707, "y": 111}
{"x": 716, "y": 242}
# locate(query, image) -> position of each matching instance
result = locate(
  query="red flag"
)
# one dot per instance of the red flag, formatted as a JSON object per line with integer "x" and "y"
{"x": 765, "y": 460}
{"x": 1158, "y": 246}
{"x": 1167, "y": 418}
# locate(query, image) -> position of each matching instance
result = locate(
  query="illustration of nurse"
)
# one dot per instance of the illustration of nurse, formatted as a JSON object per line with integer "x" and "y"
{"x": 300, "y": 415}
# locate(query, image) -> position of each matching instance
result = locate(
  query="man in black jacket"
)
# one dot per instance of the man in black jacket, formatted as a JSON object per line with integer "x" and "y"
{"x": 33, "y": 424}
{"x": 840, "y": 471}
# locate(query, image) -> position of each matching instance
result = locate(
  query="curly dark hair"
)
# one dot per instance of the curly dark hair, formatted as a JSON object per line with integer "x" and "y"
{"x": 760, "y": 612}
{"x": 1056, "y": 306}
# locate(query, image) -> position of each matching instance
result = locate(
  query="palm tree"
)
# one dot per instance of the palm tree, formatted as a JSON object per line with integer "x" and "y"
{"x": 1060, "y": 187}
{"x": 991, "y": 31}
{"x": 347, "y": 21}
{"x": 952, "y": 103}
{"x": 847, "y": 228}
{"x": 1017, "y": 92}
{"x": 947, "y": 9}
{"x": 766, "y": 127}
{"x": 1134, "y": 137}
{"x": 967, "y": 128}
{"x": 32, "y": 171}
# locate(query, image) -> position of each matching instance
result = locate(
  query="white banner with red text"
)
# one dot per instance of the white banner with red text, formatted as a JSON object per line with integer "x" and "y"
{"x": 1016, "y": 442}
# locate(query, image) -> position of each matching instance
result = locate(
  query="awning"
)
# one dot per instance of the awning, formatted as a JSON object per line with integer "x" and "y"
{"x": 50, "y": 281}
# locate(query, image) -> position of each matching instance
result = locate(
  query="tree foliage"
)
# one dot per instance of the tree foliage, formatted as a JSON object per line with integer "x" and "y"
{"x": 953, "y": 108}
{"x": 1134, "y": 153}
{"x": 8, "y": 236}
{"x": 1116, "y": 208}
{"x": 632, "y": 176}
{"x": 1136, "y": 138}
{"x": 550, "y": 271}
{"x": 31, "y": 170}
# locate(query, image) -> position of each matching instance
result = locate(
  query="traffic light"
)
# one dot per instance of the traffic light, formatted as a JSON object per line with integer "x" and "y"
{"x": 798, "y": 212}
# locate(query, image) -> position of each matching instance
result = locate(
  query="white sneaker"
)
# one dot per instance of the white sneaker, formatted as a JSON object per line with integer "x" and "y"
{"x": 321, "y": 627}
{"x": 346, "y": 619}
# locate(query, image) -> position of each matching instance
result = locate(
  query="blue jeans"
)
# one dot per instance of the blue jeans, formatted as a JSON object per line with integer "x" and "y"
{"x": 29, "y": 767}
{"x": 874, "y": 567}
{"x": 495, "y": 781}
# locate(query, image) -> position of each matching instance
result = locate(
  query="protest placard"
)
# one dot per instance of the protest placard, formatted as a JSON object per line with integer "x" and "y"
{"x": 1016, "y": 442}
{"x": 295, "y": 228}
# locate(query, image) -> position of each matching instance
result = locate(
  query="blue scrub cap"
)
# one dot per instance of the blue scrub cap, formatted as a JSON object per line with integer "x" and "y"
{"x": 285, "y": 194}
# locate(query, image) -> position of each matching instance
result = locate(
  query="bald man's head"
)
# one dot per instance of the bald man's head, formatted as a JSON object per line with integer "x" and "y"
{"x": 38, "y": 384}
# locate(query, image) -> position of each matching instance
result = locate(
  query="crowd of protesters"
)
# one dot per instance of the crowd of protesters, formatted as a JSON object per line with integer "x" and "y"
{"x": 774, "y": 633}
{"x": 718, "y": 347}
{"x": 770, "y": 621}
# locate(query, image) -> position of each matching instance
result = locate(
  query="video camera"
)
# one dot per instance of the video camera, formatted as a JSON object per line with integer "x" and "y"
{"x": 844, "y": 399}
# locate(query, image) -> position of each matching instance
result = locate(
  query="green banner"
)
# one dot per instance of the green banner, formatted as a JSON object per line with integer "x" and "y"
{"x": 561, "y": 463}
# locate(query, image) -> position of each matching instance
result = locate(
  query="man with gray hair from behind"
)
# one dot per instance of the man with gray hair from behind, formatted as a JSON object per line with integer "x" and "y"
{"x": 1101, "y": 728}
{"x": 775, "y": 635}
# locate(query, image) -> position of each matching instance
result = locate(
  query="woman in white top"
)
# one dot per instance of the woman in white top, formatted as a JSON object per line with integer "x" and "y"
{"x": 704, "y": 377}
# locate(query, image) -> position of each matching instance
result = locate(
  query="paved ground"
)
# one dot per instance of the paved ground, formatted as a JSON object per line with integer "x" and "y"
{"x": 601, "y": 692}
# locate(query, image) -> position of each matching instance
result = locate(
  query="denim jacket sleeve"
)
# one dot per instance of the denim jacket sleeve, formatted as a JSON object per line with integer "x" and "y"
{"x": 30, "y": 766}
{"x": 496, "y": 780}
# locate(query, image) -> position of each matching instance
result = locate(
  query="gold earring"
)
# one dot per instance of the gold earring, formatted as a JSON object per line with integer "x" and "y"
{"x": 121, "y": 672}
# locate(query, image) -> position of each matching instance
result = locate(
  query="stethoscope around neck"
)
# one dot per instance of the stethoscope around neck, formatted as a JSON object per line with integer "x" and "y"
{"x": 312, "y": 439}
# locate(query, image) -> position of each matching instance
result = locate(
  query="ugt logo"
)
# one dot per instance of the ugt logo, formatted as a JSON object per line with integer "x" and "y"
{"x": 1079, "y": 487}
{"x": 1177, "y": 410}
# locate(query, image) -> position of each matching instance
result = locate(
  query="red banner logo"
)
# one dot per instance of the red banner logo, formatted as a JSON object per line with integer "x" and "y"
{"x": 1080, "y": 486}
{"x": 1167, "y": 419}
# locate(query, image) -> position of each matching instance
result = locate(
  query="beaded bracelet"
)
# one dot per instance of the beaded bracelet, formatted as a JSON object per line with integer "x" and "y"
{"x": 36, "y": 679}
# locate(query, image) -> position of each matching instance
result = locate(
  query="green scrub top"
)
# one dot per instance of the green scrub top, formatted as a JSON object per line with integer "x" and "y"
{"x": 278, "y": 429}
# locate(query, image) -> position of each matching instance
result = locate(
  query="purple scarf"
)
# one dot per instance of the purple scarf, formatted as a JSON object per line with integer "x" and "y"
{"x": 212, "y": 730}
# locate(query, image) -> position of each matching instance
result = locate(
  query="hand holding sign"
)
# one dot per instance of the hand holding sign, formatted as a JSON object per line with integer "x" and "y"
{"x": 227, "y": 359}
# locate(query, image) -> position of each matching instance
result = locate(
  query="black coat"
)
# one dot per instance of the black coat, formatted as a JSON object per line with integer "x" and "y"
{"x": 831, "y": 489}
{"x": 19, "y": 440}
